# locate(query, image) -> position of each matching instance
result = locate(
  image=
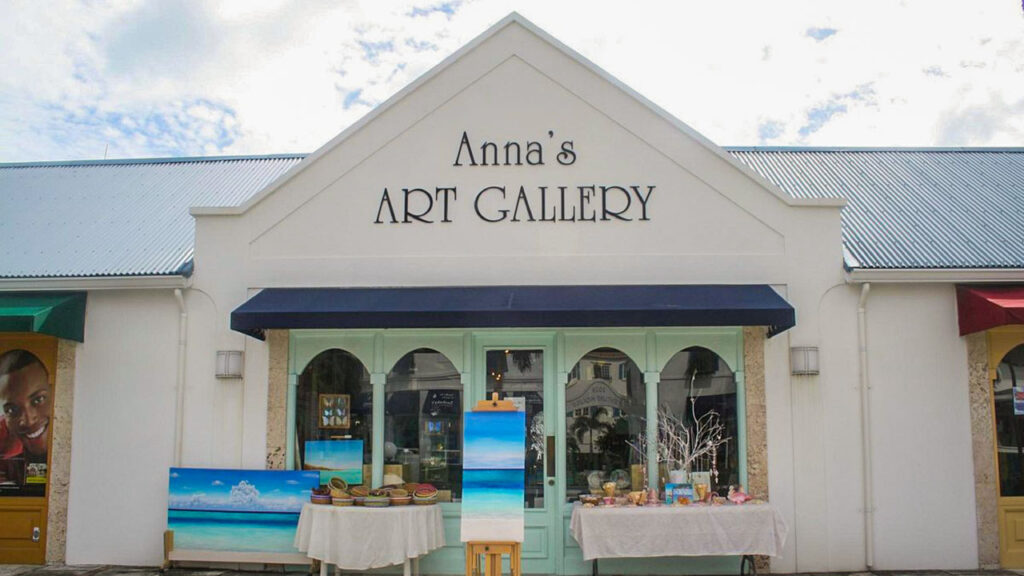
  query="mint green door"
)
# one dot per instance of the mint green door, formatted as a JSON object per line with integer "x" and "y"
{"x": 521, "y": 367}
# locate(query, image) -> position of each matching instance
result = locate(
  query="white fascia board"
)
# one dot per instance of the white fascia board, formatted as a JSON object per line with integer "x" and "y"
{"x": 935, "y": 275}
{"x": 94, "y": 283}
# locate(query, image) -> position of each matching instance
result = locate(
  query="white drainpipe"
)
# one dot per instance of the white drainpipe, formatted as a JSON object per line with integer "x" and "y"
{"x": 865, "y": 415}
{"x": 179, "y": 412}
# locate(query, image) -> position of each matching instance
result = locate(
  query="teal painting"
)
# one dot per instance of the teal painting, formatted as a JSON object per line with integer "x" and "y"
{"x": 236, "y": 510}
{"x": 335, "y": 458}
{"x": 493, "y": 476}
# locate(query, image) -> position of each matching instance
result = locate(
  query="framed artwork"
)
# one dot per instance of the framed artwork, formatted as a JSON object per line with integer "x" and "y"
{"x": 335, "y": 412}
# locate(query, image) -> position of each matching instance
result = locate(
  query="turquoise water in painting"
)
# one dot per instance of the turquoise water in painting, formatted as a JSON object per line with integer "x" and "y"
{"x": 493, "y": 493}
{"x": 236, "y": 531}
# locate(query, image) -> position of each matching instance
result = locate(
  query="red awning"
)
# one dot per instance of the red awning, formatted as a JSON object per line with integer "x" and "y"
{"x": 983, "y": 307}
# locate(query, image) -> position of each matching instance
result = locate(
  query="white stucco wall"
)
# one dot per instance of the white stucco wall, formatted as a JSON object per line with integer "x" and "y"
{"x": 924, "y": 473}
{"x": 123, "y": 430}
{"x": 920, "y": 429}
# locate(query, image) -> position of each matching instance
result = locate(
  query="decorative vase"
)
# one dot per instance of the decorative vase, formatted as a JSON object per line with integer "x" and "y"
{"x": 636, "y": 477}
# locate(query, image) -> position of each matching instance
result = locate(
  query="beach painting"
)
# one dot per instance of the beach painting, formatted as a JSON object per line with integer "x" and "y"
{"x": 335, "y": 458}
{"x": 237, "y": 510}
{"x": 493, "y": 476}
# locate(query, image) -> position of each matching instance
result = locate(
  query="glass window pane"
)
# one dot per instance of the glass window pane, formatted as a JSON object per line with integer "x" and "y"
{"x": 520, "y": 374}
{"x": 695, "y": 383}
{"x": 332, "y": 381}
{"x": 1008, "y": 386}
{"x": 605, "y": 406}
{"x": 26, "y": 400}
{"x": 423, "y": 421}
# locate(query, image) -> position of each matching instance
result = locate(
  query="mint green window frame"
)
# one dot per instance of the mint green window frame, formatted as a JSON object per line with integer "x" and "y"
{"x": 650, "y": 348}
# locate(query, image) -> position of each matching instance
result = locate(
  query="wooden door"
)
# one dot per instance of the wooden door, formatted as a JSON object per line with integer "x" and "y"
{"x": 1008, "y": 399}
{"x": 27, "y": 371}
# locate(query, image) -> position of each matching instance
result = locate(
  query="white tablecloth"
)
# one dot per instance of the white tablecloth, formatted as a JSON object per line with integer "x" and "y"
{"x": 726, "y": 530}
{"x": 357, "y": 538}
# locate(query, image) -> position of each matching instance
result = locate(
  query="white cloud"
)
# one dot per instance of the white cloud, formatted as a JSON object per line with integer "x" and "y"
{"x": 243, "y": 77}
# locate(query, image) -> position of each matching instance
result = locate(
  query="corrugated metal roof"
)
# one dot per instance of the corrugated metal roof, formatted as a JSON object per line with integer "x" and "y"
{"x": 914, "y": 208}
{"x": 117, "y": 217}
{"x": 907, "y": 208}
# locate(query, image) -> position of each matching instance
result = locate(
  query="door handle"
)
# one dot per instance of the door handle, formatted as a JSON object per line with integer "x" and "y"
{"x": 35, "y": 533}
{"x": 549, "y": 456}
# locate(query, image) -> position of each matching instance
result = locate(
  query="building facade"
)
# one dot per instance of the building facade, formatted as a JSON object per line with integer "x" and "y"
{"x": 518, "y": 221}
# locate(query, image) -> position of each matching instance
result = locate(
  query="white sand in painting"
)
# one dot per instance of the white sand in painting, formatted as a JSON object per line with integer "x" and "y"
{"x": 492, "y": 529}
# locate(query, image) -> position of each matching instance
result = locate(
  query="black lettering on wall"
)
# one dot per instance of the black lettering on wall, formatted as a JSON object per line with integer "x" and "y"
{"x": 476, "y": 204}
{"x": 385, "y": 199}
{"x": 534, "y": 154}
{"x": 417, "y": 215}
{"x": 643, "y": 200}
{"x": 443, "y": 195}
{"x": 567, "y": 156}
{"x": 465, "y": 145}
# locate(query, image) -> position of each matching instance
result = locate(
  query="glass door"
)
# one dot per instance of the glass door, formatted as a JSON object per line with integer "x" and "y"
{"x": 523, "y": 372}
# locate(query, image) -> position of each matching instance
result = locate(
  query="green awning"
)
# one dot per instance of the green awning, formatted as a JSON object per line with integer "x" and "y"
{"x": 60, "y": 314}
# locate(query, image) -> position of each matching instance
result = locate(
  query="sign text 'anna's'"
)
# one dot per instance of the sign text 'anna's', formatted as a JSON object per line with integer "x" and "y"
{"x": 587, "y": 202}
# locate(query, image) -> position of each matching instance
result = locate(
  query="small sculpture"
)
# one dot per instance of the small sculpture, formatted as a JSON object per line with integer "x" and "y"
{"x": 737, "y": 495}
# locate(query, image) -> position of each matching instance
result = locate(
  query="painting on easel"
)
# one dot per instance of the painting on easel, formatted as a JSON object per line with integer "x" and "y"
{"x": 493, "y": 476}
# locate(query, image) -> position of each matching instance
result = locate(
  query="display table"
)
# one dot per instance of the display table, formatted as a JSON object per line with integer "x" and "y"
{"x": 358, "y": 538}
{"x": 632, "y": 531}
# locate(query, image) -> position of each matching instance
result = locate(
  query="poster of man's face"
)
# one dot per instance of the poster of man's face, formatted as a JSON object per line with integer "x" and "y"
{"x": 24, "y": 424}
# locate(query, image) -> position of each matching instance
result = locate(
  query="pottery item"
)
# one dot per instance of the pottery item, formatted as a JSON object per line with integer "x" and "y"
{"x": 621, "y": 479}
{"x": 609, "y": 489}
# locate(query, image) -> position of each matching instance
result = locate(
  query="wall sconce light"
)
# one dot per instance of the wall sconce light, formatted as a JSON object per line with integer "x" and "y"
{"x": 803, "y": 361}
{"x": 229, "y": 363}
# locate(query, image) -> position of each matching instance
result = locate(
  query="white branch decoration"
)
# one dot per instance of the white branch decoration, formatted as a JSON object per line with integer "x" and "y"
{"x": 681, "y": 445}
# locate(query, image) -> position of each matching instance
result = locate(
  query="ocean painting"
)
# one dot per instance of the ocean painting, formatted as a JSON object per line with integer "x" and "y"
{"x": 493, "y": 476}
{"x": 336, "y": 458}
{"x": 237, "y": 510}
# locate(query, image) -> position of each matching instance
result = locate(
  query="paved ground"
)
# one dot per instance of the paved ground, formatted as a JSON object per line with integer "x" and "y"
{"x": 21, "y": 570}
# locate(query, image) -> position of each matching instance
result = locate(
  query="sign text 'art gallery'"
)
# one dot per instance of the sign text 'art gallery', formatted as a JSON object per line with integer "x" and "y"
{"x": 504, "y": 202}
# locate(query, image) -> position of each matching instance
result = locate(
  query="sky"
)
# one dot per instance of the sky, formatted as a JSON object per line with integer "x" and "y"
{"x": 88, "y": 79}
{"x": 239, "y": 490}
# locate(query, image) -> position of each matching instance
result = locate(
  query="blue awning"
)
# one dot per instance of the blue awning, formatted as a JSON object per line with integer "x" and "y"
{"x": 514, "y": 307}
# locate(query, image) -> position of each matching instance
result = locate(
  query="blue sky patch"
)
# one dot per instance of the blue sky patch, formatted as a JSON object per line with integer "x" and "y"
{"x": 373, "y": 50}
{"x": 821, "y": 34}
{"x": 769, "y": 130}
{"x": 447, "y": 8}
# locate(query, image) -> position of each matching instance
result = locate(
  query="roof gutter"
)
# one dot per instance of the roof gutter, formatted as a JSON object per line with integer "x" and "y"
{"x": 934, "y": 275}
{"x": 96, "y": 283}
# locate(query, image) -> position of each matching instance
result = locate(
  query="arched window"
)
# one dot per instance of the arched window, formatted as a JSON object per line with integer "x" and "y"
{"x": 1008, "y": 391}
{"x": 604, "y": 415}
{"x": 334, "y": 401}
{"x": 699, "y": 390}
{"x": 423, "y": 421}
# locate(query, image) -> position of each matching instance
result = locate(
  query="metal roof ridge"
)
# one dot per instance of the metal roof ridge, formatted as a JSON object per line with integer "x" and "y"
{"x": 1014, "y": 149}
{"x": 167, "y": 160}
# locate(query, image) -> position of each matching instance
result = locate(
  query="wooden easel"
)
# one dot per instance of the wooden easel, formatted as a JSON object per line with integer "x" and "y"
{"x": 493, "y": 551}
